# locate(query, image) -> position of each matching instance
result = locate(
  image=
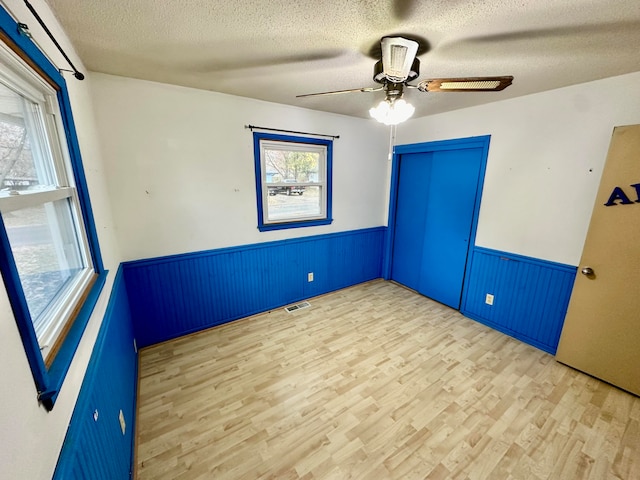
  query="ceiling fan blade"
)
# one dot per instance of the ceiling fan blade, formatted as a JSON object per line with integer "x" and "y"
{"x": 467, "y": 84}
{"x": 258, "y": 60}
{"x": 337, "y": 92}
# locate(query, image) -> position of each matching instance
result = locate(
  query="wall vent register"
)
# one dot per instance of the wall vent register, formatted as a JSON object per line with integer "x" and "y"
{"x": 298, "y": 306}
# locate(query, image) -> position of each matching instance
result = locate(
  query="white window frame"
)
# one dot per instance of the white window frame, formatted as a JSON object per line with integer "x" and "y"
{"x": 16, "y": 75}
{"x": 324, "y": 149}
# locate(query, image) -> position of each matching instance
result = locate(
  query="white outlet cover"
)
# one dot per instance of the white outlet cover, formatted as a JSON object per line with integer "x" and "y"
{"x": 123, "y": 425}
{"x": 488, "y": 299}
{"x": 310, "y": 277}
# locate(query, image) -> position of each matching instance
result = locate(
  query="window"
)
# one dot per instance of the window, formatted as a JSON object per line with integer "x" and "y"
{"x": 50, "y": 258}
{"x": 293, "y": 181}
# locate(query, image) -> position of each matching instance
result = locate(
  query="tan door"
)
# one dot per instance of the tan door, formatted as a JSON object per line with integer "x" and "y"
{"x": 601, "y": 334}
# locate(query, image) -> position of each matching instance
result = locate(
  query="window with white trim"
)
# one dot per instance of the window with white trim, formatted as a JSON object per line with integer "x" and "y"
{"x": 293, "y": 181}
{"x": 50, "y": 261}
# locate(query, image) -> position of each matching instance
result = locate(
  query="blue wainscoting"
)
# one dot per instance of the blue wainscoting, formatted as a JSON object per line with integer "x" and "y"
{"x": 180, "y": 294}
{"x": 95, "y": 446}
{"x": 530, "y": 296}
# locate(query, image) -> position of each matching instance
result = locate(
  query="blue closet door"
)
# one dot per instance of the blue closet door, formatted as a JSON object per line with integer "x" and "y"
{"x": 449, "y": 216}
{"x": 434, "y": 217}
{"x": 411, "y": 213}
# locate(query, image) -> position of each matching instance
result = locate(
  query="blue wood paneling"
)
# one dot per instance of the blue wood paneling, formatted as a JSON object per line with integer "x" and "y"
{"x": 95, "y": 446}
{"x": 530, "y": 296}
{"x": 180, "y": 294}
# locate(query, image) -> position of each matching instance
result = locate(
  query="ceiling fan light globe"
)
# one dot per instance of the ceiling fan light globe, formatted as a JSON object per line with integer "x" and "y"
{"x": 402, "y": 110}
{"x": 392, "y": 113}
{"x": 381, "y": 109}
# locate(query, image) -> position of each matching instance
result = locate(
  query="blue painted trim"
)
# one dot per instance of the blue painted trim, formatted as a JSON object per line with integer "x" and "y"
{"x": 425, "y": 147}
{"x": 258, "y": 177}
{"x": 304, "y": 223}
{"x": 484, "y": 144}
{"x": 81, "y": 180}
{"x": 453, "y": 144}
{"x": 265, "y": 227}
{"x": 21, "y": 311}
{"x": 49, "y": 381}
{"x": 246, "y": 247}
{"x": 9, "y": 27}
{"x": 523, "y": 258}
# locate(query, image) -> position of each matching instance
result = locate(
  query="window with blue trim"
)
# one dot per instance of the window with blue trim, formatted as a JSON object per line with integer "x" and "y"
{"x": 50, "y": 259}
{"x": 293, "y": 181}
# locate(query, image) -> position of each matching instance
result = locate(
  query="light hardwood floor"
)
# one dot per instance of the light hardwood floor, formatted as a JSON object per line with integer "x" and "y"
{"x": 375, "y": 382}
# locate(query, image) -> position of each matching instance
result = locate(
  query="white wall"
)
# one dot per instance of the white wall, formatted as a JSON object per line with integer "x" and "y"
{"x": 546, "y": 158}
{"x": 181, "y": 170}
{"x": 31, "y": 437}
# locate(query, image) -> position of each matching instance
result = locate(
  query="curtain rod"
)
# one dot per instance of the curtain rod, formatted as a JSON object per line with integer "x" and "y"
{"x": 76, "y": 73}
{"x": 252, "y": 127}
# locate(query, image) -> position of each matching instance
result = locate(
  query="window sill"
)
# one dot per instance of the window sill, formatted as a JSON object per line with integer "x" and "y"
{"x": 286, "y": 225}
{"x": 55, "y": 375}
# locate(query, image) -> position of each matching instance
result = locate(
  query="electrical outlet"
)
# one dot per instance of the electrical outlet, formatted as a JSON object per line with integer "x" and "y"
{"x": 310, "y": 277}
{"x": 488, "y": 299}
{"x": 123, "y": 425}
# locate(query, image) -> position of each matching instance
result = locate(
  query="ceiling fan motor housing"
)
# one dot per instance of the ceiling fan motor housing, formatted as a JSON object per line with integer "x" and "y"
{"x": 380, "y": 77}
{"x": 393, "y": 91}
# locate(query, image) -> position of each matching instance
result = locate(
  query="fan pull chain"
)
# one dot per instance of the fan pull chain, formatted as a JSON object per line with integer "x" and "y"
{"x": 392, "y": 138}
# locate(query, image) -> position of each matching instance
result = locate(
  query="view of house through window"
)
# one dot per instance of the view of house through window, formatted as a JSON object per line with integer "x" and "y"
{"x": 294, "y": 177}
{"x": 39, "y": 205}
{"x": 291, "y": 178}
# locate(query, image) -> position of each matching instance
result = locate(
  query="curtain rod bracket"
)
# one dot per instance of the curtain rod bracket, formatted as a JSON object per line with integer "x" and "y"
{"x": 23, "y": 28}
{"x": 76, "y": 74}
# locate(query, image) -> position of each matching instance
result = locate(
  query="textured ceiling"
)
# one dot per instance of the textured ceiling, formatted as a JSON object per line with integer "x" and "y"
{"x": 275, "y": 50}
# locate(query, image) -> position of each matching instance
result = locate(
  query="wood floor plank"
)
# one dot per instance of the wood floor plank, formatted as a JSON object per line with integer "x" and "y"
{"x": 375, "y": 382}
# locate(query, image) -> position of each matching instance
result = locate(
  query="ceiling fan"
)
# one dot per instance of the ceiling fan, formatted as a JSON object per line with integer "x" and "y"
{"x": 398, "y": 66}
